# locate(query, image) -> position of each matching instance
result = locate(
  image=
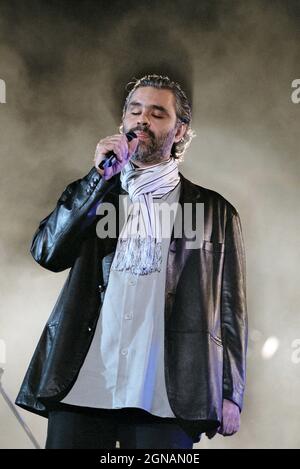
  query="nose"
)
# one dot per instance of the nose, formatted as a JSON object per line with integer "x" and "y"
{"x": 143, "y": 120}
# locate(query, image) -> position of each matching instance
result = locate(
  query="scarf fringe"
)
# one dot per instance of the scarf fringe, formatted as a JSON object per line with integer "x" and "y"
{"x": 138, "y": 255}
{"x": 142, "y": 254}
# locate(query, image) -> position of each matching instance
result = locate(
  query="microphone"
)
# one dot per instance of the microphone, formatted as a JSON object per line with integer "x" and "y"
{"x": 110, "y": 157}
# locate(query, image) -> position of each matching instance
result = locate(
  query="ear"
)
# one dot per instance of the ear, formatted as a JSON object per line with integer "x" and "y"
{"x": 181, "y": 129}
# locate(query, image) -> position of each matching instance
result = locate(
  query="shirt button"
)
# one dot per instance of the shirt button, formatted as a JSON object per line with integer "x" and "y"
{"x": 89, "y": 329}
{"x": 128, "y": 316}
{"x": 132, "y": 281}
{"x": 124, "y": 351}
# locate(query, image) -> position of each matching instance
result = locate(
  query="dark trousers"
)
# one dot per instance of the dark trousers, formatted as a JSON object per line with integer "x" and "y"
{"x": 72, "y": 427}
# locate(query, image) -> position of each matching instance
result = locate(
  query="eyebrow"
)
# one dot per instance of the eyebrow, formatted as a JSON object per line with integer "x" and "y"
{"x": 152, "y": 106}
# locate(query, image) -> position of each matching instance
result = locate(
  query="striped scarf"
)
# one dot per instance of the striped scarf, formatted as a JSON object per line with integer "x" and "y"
{"x": 139, "y": 248}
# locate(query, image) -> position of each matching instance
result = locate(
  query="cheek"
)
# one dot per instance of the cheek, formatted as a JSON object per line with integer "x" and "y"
{"x": 128, "y": 122}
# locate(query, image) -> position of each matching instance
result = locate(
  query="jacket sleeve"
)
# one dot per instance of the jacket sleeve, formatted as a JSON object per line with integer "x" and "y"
{"x": 234, "y": 313}
{"x": 57, "y": 240}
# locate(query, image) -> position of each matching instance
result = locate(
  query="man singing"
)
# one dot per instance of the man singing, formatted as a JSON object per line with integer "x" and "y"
{"x": 146, "y": 344}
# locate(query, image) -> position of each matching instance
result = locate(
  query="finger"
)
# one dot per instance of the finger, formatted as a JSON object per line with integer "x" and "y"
{"x": 221, "y": 430}
{"x": 221, "y": 427}
{"x": 115, "y": 138}
{"x": 116, "y": 147}
{"x": 123, "y": 146}
{"x": 121, "y": 149}
{"x": 119, "y": 140}
{"x": 124, "y": 149}
{"x": 107, "y": 172}
{"x": 132, "y": 146}
{"x": 230, "y": 430}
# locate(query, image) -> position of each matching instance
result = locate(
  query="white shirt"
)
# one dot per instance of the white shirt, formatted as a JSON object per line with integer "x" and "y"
{"x": 124, "y": 366}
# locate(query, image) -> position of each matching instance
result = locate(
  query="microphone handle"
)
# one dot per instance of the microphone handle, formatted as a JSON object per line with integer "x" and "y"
{"x": 110, "y": 157}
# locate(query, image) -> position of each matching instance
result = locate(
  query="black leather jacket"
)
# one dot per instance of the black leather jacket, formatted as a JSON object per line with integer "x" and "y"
{"x": 205, "y": 304}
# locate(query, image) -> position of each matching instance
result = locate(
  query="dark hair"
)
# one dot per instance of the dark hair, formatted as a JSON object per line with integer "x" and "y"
{"x": 182, "y": 107}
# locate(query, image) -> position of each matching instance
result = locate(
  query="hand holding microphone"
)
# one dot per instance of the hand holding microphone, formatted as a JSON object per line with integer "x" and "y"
{"x": 113, "y": 153}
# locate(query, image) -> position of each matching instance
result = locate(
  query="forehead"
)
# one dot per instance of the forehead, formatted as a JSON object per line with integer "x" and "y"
{"x": 148, "y": 96}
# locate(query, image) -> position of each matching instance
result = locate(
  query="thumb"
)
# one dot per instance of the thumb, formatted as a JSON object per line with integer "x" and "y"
{"x": 132, "y": 145}
{"x": 108, "y": 172}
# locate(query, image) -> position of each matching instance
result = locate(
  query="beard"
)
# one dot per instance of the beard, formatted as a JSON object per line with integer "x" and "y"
{"x": 153, "y": 150}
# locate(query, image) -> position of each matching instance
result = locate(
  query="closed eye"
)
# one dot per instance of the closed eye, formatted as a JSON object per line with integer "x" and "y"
{"x": 137, "y": 113}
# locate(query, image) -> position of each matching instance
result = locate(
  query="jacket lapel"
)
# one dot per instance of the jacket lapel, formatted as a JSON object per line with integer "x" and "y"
{"x": 178, "y": 253}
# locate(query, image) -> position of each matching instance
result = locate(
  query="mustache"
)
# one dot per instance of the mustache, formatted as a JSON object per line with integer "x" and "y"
{"x": 145, "y": 131}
